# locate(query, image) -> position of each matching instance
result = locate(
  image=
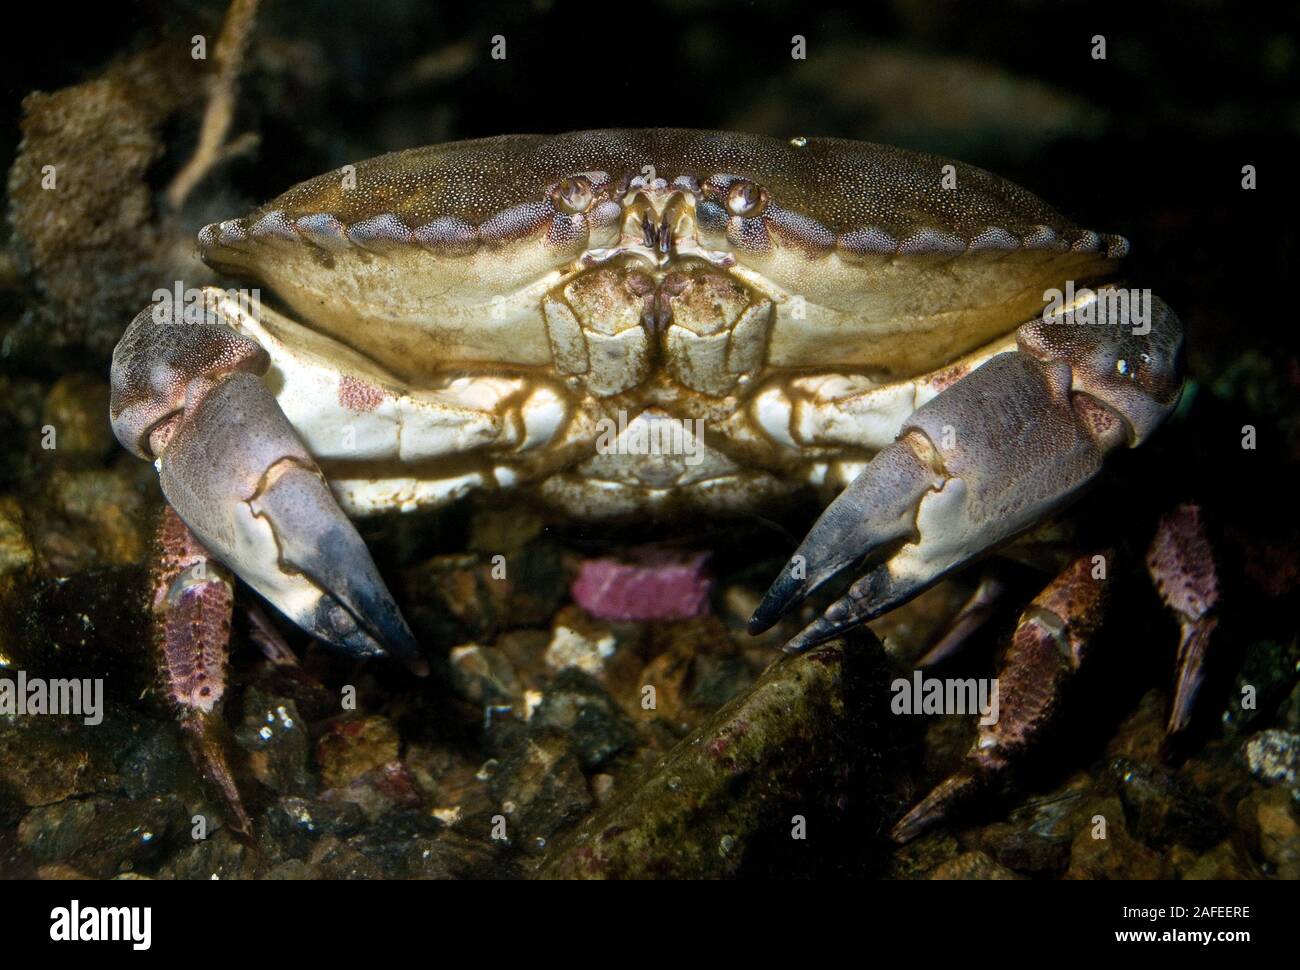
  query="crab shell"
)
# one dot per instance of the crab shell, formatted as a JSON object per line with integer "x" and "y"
{"x": 652, "y": 320}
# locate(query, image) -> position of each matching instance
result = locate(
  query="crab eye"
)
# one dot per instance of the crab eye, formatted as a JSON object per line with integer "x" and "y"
{"x": 573, "y": 195}
{"x": 744, "y": 198}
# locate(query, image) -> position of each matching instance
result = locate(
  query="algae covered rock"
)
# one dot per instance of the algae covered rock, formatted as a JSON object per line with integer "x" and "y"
{"x": 760, "y": 777}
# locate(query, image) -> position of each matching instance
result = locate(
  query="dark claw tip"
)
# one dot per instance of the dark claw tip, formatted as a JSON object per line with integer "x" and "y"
{"x": 818, "y": 631}
{"x": 935, "y": 806}
{"x": 908, "y": 828}
{"x": 781, "y": 597}
{"x": 398, "y": 641}
{"x": 761, "y": 621}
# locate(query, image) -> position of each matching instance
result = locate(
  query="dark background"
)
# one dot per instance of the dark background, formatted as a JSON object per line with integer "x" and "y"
{"x": 1148, "y": 143}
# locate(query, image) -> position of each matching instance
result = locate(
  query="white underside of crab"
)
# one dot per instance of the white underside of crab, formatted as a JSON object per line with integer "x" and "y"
{"x": 385, "y": 445}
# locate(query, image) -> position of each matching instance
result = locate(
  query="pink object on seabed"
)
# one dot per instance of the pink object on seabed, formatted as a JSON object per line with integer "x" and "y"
{"x": 650, "y": 584}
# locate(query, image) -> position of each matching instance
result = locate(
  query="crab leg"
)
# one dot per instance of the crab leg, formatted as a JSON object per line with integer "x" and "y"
{"x": 1181, "y": 565}
{"x": 1047, "y": 649}
{"x": 192, "y": 604}
{"x": 988, "y": 457}
{"x": 187, "y": 394}
{"x": 975, "y": 612}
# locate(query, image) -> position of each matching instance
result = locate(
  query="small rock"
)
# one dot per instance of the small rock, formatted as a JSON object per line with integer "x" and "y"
{"x": 539, "y": 788}
{"x": 1268, "y": 820}
{"x": 74, "y": 412}
{"x": 717, "y": 678}
{"x": 450, "y": 856}
{"x": 42, "y": 761}
{"x": 1140, "y": 736}
{"x": 685, "y": 684}
{"x": 526, "y": 652}
{"x": 16, "y": 552}
{"x": 379, "y": 791}
{"x": 294, "y": 870}
{"x": 406, "y": 845}
{"x": 274, "y": 735}
{"x": 89, "y": 623}
{"x": 21, "y": 402}
{"x": 448, "y": 782}
{"x": 457, "y": 598}
{"x": 669, "y": 674}
{"x": 1118, "y": 855}
{"x": 602, "y": 788}
{"x": 102, "y": 835}
{"x": 474, "y": 597}
{"x": 537, "y": 582}
{"x": 1163, "y": 808}
{"x": 917, "y": 859}
{"x": 569, "y": 648}
{"x": 351, "y": 747}
{"x": 484, "y": 675}
{"x": 61, "y": 873}
{"x": 342, "y": 860}
{"x": 651, "y": 584}
{"x": 93, "y": 517}
{"x": 402, "y": 845}
{"x": 1266, "y": 676}
{"x": 1273, "y": 756}
{"x": 973, "y": 865}
{"x": 296, "y": 822}
{"x": 156, "y": 763}
{"x": 97, "y": 251}
{"x": 1025, "y": 849}
{"x": 1221, "y": 862}
{"x": 578, "y": 704}
{"x": 502, "y": 529}
{"x": 219, "y": 856}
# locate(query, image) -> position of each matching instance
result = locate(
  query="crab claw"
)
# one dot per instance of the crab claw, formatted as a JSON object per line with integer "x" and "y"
{"x": 237, "y": 474}
{"x": 986, "y": 459}
{"x": 878, "y": 508}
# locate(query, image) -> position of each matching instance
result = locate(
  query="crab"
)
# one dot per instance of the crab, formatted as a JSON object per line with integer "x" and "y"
{"x": 478, "y": 315}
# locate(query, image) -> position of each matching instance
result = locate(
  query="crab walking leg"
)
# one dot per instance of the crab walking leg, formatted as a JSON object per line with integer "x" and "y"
{"x": 975, "y": 612}
{"x": 188, "y": 394}
{"x": 193, "y": 598}
{"x": 1181, "y": 565}
{"x": 1047, "y": 649}
{"x": 994, "y": 453}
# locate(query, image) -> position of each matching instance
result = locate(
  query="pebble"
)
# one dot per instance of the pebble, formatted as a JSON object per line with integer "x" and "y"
{"x": 1273, "y": 756}
{"x": 484, "y": 675}
{"x": 539, "y": 787}
{"x": 569, "y": 648}
{"x": 274, "y": 736}
{"x": 352, "y": 746}
{"x": 973, "y": 865}
{"x": 578, "y": 704}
